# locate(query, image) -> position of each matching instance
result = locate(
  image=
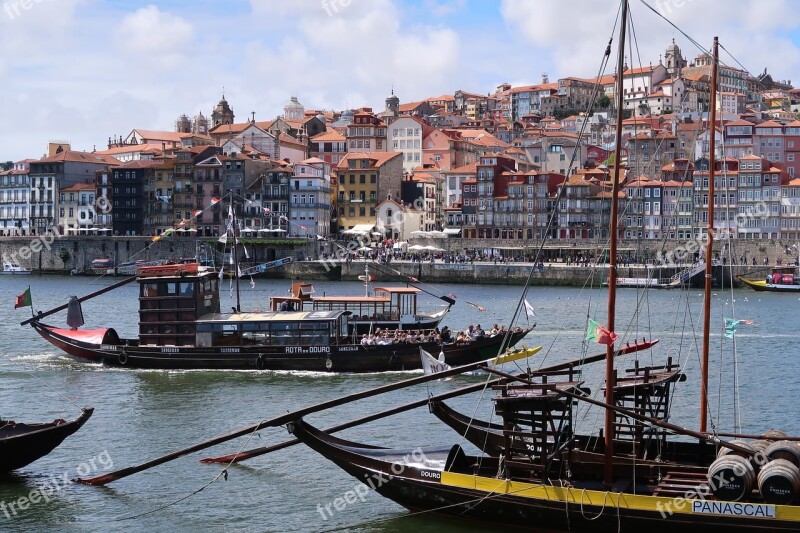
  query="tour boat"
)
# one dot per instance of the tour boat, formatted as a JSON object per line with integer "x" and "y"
{"x": 386, "y": 308}
{"x": 181, "y": 327}
{"x": 14, "y": 269}
{"x": 22, "y": 444}
{"x": 780, "y": 279}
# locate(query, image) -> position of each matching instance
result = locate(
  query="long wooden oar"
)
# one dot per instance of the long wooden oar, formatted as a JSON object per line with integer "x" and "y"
{"x": 256, "y": 452}
{"x": 637, "y": 416}
{"x": 294, "y": 415}
{"x": 81, "y": 299}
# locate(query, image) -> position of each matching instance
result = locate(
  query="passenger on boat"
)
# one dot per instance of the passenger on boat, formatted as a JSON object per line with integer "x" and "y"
{"x": 769, "y": 278}
{"x": 446, "y": 337}
{"x": 364, "y": 340}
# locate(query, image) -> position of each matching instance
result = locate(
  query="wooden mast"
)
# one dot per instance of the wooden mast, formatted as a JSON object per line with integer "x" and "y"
{"x": 608, "y": 472}
{"x": 235, "y": 257}
{"x": 712, "y": 148}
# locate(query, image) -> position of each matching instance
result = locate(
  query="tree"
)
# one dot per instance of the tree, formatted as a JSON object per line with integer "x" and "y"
{"x": 8, "y": 165}
{"x": 603, "y": 101}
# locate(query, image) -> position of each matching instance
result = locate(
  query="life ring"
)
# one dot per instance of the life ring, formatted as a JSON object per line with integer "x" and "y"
{"x": 122, "y": 358}
{"x": 261, "y": 363}
{"x": 328, "y": 363}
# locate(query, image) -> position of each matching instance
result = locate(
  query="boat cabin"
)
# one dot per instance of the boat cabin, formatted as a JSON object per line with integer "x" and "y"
{"x": 273, "y": 328}
{"x": 388, "y": 303}
{"x": 783, "y": 276}
{"x": 171, "y": 299}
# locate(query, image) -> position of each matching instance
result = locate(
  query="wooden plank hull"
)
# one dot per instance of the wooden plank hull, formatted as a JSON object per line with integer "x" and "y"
{"x": 432, "y": 485}
{"x": 22, "y": 444}
{"x": 334, "y": 358}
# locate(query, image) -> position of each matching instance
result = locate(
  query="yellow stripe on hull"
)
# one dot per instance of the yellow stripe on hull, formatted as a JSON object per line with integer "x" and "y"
{"x": 654, "y": 504}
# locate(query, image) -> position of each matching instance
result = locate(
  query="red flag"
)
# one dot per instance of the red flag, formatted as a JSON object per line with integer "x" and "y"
{"x": 24, "y": 299}
{"x": 214, "y": 200}
{"x": 604, "y": 336}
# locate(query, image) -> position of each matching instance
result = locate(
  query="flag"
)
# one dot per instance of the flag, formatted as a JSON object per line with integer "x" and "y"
{"x": 155, "y": 238}
{"x": 221, "y": 272}
{"x": 431, "y": 365}
{"x": 730, "y": 326}
{"x": 214, "y": 200}
{"x": 246, "y": 255}
{"x": 529, "y": 312}
{"x": 230, "y": 212}
{"x": 183, "y": 223}
{"x": 282, "y": 218}
{"x": 267, "y": 211}
{"x": 196, "y": 213}
{"x": 223, "y": 238}
{"x": 165, "y": 199}
{"x": 600, "y": 334}
{"x": 24, "y": 299}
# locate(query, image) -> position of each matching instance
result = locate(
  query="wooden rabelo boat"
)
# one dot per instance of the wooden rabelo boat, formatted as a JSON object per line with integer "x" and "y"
{"x": 640, "y": 473}
{"x": 181, "y": 327}
{"x": 21, "y": 444}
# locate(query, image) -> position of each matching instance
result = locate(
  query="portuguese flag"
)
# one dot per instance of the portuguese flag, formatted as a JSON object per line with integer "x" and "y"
{"x": 24, "y": 299}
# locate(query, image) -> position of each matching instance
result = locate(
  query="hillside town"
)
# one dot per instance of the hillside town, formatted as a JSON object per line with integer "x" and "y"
{"x": 475, "y": 166}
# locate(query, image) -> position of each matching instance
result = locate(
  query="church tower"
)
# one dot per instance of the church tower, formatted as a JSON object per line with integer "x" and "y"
{"x": 222, "y": 114}
{"x": 674, "y": 60}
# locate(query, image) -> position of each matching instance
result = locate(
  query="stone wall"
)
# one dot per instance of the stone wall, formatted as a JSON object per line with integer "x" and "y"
{"x": 46, "y": 253}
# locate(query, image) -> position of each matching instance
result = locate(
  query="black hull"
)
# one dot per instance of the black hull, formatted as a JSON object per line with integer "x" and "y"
{"x": 531, "y": 506}
{"x": 22, "y": 444}
{"x": 335, "y": 358}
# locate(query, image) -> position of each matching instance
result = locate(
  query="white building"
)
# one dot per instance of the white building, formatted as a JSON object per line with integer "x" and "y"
{"x": 396, "y": 221}
{"x": 405, "y": 136}
{"x": 14, "y": 194}
{"x": 76, "y": 207}
{"x": 310, "y": 199}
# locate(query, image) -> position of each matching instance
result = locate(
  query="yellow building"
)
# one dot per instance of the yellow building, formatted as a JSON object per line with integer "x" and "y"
{"x": 364, "y": 181}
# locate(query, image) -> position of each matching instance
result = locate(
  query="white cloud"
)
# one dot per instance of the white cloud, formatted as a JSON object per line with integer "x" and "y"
{"x": 154, "y": 37}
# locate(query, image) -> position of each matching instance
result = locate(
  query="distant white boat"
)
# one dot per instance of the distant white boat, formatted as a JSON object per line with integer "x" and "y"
{"x": 13, "y": 268}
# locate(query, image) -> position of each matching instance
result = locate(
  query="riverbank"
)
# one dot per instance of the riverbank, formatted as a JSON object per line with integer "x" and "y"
{"x": 60, "y": 255}
{"x": 551, "y": 274}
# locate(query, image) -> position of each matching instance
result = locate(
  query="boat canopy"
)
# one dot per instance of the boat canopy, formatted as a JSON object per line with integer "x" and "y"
{"x": 272, "y": 316}
{"x": 91, "y": 336}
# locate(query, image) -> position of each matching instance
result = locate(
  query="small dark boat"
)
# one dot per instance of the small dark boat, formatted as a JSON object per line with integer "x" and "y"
{"x": 22, "y": 444}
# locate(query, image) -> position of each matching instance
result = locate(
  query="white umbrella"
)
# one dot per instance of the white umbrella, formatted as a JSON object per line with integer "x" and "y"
{"x": 377, "y": 233}
{"x": 416, "y": 248}
{"x": 419, "y": 233}
{"x": 365, "y": 249}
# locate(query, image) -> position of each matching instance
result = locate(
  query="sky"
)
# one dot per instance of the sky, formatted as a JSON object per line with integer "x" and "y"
{"x": 86, "y": 70}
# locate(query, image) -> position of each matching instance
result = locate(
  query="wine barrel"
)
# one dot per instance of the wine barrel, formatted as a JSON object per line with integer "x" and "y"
{"x": 784, "y": 449}
{"x": 779, "y": 482}
{"x": 731, "y": 478}
{"x": 727, "y": 451}
{"x": 760, "y": 445}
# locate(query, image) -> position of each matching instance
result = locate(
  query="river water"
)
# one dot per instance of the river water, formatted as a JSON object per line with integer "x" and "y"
{"x": 142, "y": 414}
